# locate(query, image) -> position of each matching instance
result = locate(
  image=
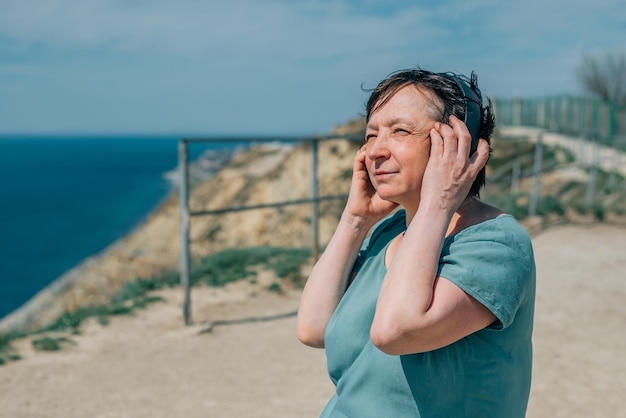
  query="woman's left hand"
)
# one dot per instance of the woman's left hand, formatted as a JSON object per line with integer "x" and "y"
{"x": 451, "y": 170}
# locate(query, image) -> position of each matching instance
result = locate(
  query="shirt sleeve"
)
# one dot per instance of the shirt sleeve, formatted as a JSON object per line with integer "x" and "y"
{"x": 493, "y": 262}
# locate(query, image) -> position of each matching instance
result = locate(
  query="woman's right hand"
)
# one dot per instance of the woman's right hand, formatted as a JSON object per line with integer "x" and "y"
{"x": 329, "y": 277}
{"x": 363, "y": 201}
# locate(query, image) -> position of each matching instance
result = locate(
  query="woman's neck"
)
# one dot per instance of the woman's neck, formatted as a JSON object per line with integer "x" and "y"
{"x": 471, "y": 212}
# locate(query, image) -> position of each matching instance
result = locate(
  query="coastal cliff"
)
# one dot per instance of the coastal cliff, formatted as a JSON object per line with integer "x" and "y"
{"x": 271, "y": 173}
{"x": 258, "y": 175}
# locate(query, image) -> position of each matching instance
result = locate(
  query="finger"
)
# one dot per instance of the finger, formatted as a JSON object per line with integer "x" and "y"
{"x": 450, "y": 141}
{"x": 361, "y": 154}
{"x": 360, "y": 169}
{"x": 359, "y": 161}
{"x": 464, "y": 138}
{"x": 436, "y": 141}
{"x": 481, "y": 155}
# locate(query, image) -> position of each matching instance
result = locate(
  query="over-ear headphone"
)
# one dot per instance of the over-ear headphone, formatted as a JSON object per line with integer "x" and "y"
{"x": 473, "y": 109}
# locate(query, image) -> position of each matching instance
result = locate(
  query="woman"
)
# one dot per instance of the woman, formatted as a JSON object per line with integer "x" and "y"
{"x": 430, "y": 313}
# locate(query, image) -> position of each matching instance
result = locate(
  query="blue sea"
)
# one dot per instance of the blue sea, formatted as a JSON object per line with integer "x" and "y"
{"x": 63, "y": 199}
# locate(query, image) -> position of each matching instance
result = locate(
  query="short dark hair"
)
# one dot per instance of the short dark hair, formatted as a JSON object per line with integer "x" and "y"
{"x": 450, "y": 101}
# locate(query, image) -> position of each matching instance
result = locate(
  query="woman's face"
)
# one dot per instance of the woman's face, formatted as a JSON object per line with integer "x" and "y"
{"x": 398, "y": 145}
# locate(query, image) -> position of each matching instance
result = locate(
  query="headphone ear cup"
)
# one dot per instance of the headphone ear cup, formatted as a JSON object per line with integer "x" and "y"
{"x": 473, "y": 119}
{"x": 473, "y": 110}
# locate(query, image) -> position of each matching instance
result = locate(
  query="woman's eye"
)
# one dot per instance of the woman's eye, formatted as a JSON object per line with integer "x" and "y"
{"x": 369, "y": 136}
{"x": 402, "y": 131}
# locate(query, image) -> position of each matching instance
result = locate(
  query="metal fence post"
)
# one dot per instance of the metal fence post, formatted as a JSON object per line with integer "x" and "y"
{"x": 582, "y": 125}
{"x": 534, "y": 194}
{"x": 593, "y": 174}
{"x": 315, "y": 198}
{"x": 612, "y": 128}
{"x": 515, "y": 176}
{"x": 517, "y": 112}
{"x": 183, "y": 197}
{"x": 541, "y": 113}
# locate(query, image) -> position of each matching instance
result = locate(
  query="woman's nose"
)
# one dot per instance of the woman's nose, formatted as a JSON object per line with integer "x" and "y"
{"x": 377, "y": 147}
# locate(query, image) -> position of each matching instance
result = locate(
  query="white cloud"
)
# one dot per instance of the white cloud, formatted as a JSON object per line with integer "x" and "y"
{"x": 194, "y": 27}
{"x": 266, "y": 59}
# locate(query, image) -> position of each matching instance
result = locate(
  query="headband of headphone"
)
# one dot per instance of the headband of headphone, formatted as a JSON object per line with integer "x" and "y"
{"x": 473, "y": 109}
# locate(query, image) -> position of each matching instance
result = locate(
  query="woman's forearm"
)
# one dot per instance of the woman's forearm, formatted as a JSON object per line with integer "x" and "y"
{"x": 329, "y": 279}
{"x": 407, "y": 290}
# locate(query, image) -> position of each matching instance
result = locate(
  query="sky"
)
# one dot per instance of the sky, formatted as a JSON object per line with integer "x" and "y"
{"x": 273, "y": 67}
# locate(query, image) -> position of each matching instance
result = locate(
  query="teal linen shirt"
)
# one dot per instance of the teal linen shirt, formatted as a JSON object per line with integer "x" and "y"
{"x": 486, "y": 374}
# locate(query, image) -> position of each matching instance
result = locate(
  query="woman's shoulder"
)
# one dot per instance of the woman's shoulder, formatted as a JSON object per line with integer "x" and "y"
{"x": 501, "y": 231}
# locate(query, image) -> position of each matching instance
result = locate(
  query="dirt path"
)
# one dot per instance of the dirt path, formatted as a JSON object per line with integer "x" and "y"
{"x": 579, "y": 338}
{"x": 587, "y": 153}
{"x": 150, "y": 365}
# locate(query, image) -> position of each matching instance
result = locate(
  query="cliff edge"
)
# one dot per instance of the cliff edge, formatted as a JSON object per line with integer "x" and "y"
{"x": 261, "y": 174}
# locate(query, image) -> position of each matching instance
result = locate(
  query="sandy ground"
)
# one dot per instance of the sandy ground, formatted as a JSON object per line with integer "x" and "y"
{"x": 150, "y": 365}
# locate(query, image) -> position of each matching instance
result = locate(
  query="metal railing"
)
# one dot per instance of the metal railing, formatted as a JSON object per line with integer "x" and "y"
{"x": 593, "y": 130}
{"x": 186, "y": 213}
{"x": 586, "y": 119}
{"x": 573, "y": 116}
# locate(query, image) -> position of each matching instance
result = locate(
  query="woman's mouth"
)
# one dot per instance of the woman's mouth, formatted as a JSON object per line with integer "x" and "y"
{"x": 381, "y": 174}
